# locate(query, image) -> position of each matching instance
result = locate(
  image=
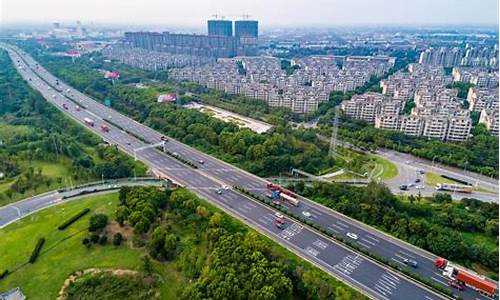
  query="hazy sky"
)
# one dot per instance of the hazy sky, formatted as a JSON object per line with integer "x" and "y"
{"x": 268, "y": 12}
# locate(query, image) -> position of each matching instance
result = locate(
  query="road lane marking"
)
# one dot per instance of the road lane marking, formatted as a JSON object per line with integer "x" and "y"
{"x": 364, "y": 245}
{"x": 440, "y": 281}
{"x": 369, "y": 242}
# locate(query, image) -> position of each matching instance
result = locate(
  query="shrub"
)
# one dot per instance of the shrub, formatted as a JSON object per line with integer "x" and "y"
{"x": 94, "y": 238}
{"x": 36, "y": 251}
{"x": 103, "y": 240}
{"x": 85, "y": 241}
{"x": 97, "y": 222}
{"x": 73, "y": 219}
{"x": 4, "y": 274}
{"x": 117, "y": 239}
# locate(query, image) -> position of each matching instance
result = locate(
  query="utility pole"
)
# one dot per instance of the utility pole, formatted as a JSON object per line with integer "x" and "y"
{"x": 333, "y": 138}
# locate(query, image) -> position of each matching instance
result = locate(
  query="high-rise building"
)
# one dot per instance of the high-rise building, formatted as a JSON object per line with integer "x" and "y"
{"x": 246, "y": 28}
{"x": 220, "y": 27}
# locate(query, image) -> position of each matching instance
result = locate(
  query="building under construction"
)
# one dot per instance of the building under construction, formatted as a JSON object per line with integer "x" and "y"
{"x": 219, "y": 43}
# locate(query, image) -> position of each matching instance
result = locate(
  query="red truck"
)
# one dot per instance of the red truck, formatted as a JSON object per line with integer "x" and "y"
{"x": 105, "y": 128}
{"x": 284, "y": 193}
{"x": 466, "y": 278}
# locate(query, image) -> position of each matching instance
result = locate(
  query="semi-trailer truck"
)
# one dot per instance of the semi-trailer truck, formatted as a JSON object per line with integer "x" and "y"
{"x": 284, "y": 194}
{"x": 461, "y": 277}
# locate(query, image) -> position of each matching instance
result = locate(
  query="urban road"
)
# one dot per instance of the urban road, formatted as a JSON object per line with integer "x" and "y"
{"x": 333, "y": 257}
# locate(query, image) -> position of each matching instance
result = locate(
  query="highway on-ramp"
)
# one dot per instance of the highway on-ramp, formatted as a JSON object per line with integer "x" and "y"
{"x": 350, "y": 266}
{"x": 20, "y": 209}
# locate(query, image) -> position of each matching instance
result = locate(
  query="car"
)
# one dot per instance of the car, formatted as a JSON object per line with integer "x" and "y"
{"x": 421, "y": 172}
{"x": 410, "y": 262}
{"x": 269, "y": 195}
{"x": 175, "y": 154}
{"x": 306, "y": 214}
{"x": 279, "y": 223}
{"x": 53, "y": 96}
{"x": 403, "y": 187}
{"x": 454, "y": 284}
{"x": 128, "y": 143}
{"x": 417, "y": 180}
{"x": 225, "y": 187}
{"x": 164, "y": 138}
{"x": 352, "y": 236}
{"x": 276, "y": 202}
{"x": 77, "y": 108}
{"x": 218, "y": 191}
{"x": 278, "y": 215}
{"x": 201, "y": 161}
{"x": 411, "y": 184}
{"x": 420, "y": 187}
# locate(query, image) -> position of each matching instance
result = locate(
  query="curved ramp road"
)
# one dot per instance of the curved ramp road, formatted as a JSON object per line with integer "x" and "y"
{"x": 20, "y": 209}
{"x": 355, "y": 269}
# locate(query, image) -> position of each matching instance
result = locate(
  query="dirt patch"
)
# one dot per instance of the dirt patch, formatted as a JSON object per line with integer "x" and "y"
{"x": 126, "y": 231}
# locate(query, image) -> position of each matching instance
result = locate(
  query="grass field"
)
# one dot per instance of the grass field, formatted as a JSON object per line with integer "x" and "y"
{"x": 50, "y": 169}
{"x": 63, "y": 252}
{"x": 385, "y": 169}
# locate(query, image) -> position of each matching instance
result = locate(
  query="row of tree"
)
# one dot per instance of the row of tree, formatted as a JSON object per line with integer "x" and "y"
{"x": 439, "y": 226}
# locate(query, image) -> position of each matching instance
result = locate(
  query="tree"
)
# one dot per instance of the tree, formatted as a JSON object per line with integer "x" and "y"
{"x": 103, "y": 240}
{"x": 170, "y": 246}
{"x": 97, "y": 222}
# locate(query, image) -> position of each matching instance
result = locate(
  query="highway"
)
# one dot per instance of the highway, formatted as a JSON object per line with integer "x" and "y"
{"x": 333, "y": 257}
{"x": 20, "y": 209}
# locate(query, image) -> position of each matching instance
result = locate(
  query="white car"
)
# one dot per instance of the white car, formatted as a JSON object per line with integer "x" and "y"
{"x": 225, "y": 187}
{"x": 420, "y": 187}
{"x": 306, "y": 214}
{"x": 352, "y": 236}
{"x": 278, "y": 215}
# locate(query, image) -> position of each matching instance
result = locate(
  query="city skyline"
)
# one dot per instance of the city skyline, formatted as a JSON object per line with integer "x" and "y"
{"x": 278, "y": 13}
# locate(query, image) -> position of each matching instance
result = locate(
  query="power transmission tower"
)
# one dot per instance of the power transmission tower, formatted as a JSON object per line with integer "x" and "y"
{"x": 333, "y": 138}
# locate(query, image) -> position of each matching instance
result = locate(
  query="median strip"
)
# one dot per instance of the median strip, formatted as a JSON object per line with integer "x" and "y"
{"x": 392, "y": 265}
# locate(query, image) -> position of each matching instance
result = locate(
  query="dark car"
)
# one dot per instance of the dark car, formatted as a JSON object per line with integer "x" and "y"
{"x": 454, "y": 284}
{"x": 403, "y": 187}
{"x": 417, "y": 180}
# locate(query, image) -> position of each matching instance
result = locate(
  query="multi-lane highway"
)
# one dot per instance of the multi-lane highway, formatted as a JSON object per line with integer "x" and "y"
{"x": 350, "y": 266}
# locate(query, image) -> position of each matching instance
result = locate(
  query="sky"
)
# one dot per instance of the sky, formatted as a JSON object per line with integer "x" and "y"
{"x": 270, "y": 13}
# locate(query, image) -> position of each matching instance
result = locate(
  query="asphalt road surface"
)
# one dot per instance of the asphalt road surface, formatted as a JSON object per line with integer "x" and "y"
{"x": 20, "y": 209}
{"x": 350, "y": 266}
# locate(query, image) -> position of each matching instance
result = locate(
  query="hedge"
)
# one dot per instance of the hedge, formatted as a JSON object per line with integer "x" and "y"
{"x": 73, "y": 219}
{"x": 4, "y": 274}
{"x": 36, "y": 251}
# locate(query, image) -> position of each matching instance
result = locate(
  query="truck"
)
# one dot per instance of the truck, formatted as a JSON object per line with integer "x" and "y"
{"x": 289, "y": 198}
{"x": 452, "y": 187}
{"x": 460, "y": 277}
{"x": 105, "y": 128}
{"x": 275, "y": 187}
{"x": 89, "y": 121}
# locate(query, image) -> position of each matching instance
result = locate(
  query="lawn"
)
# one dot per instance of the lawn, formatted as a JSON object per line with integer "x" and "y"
{"x": 385, "y": 168}
{"x": 433, "y": 179}
{"x": 50, "y": 169}
{"x": 63, "y": 252}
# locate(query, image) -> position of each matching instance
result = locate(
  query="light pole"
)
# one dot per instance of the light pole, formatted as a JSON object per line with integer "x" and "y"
{"x": 465, "y": 167}
{"x": 433, "y": 161}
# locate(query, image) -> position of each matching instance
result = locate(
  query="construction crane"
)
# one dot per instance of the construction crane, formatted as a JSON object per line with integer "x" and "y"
{"x": 219, "y": 17}
{"x": 233, "y": 17}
